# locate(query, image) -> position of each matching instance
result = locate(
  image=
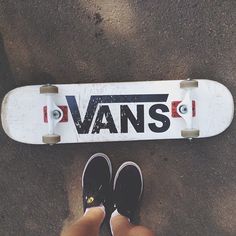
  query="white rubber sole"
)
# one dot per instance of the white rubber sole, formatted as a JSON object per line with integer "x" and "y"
{"x": 94, "y": 156}
{"x": 128, "y": 163}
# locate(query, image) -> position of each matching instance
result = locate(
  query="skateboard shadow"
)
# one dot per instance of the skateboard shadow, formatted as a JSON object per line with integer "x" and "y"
{"x": 7, "y": 81}
{"x": 42, "y": 78}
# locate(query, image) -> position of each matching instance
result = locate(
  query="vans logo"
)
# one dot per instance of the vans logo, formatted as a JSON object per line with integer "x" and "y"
{"x": 103, "y": 118}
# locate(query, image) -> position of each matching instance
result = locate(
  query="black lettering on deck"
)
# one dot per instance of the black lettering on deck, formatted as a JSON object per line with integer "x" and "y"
{"x": 127, "y": 115}
{"x": 153, "y": 112}
{"x": 104, "y": 111}
{"x": 83, "y": 126}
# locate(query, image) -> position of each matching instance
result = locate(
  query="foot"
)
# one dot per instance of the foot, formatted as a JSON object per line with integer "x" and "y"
{"x": 96, "y": 181}
{"x": 128, "y": 188}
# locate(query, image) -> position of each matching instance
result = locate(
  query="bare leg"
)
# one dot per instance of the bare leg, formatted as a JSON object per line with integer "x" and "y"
{"x": 96, "y": 179}
{"x": 121, "y": 226}
{"x": 87, "y": 225}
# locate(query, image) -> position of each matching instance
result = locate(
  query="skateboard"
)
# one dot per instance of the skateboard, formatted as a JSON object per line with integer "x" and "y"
{"x": 125, "y": 111}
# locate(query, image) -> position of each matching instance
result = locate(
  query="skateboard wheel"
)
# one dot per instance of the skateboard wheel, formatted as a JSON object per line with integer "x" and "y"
{"x": 48, "y": 89}
{"x": 51, "y": 138}
{"x": 189, "y": 84}
{"x": 190, "y": 133}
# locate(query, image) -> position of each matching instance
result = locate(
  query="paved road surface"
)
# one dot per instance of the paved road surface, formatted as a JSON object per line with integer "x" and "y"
{"x": 190, "y": 188}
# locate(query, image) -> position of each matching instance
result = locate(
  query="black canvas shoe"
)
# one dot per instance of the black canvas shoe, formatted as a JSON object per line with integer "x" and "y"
{"x": 128, "y": 188}
{"x": 96, "y": 180}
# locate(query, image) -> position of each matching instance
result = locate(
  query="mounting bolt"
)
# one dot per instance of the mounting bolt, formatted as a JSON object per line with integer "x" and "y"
{"x": 183, "y": 109}
{"x": 56, "y": 114}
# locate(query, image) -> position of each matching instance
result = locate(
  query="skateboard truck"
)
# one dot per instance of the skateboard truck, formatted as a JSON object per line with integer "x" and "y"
{"x": 54, "y": 114}
{"x": 185, "y": 109}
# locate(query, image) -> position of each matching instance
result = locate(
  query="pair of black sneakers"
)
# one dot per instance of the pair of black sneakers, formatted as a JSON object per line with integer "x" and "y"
{"x": 123, "y": 196}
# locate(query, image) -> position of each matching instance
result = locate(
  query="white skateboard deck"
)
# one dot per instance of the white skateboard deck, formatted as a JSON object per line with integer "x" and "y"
{"x": 124, "y": 111}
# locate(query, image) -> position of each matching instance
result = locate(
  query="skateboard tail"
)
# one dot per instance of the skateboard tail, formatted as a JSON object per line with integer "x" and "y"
{"x": 221, "y": 106}
{"x": 6, "y": 114}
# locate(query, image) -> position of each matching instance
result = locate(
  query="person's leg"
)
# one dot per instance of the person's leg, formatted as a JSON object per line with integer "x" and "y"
{"x": 88, "y": 224}
{"x": 96, "y": 181}
{"x": 121, "y": 226}
{"x": 128, "y": 188}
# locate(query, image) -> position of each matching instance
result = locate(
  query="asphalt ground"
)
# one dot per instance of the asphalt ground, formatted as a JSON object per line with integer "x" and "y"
{"x": 190, "y": 188}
